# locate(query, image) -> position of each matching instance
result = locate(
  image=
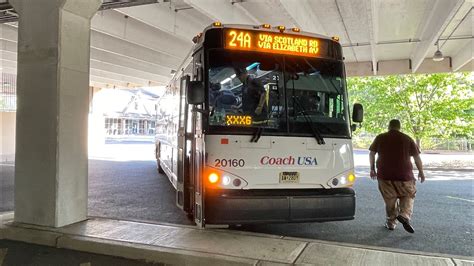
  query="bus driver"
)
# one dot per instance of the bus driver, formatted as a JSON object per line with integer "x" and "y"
{"x": 253, "y": 94}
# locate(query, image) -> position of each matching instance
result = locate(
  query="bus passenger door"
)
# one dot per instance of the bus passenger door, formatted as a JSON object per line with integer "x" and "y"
{"x": 183, "y": 195}
{"x": 197, "y": 164}
{"x": 197, "y": 150}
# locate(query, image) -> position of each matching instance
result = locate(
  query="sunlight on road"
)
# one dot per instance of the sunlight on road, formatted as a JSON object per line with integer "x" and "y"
{"x": 127, "y": 151}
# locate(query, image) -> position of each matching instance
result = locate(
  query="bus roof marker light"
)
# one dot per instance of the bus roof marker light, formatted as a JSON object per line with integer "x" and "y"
{"x": 217, "y": 24}
{"x": 335, "y": 38}
{"x": 295, "y": 29}
{"x": 266, "y": 26}
{"x": 281, "y": 28}
{"x": 213, "y": 178}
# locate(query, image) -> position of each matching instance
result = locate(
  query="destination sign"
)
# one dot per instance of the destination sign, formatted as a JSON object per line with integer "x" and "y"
{"x": 238, "y": 120}
{"x": 272, "y": 42}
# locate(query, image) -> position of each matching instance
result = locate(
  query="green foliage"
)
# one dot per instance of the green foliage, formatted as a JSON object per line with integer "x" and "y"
{"x": 435, "y": 105}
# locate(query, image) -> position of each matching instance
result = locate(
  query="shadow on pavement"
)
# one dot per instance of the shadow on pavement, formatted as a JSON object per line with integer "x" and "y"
{"x": 18, "y": 253}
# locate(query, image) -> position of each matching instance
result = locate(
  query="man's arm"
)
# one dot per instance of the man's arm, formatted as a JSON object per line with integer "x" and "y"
{"x": 373, "y": 173}
{"x": 419, "y": 165}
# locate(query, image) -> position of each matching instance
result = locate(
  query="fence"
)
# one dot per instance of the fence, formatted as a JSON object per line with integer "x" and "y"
{"x": 363, "y": 142}
{"x": 8, "y": 92}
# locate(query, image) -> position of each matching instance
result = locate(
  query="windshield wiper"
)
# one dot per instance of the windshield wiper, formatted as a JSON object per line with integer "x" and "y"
{"x": 258, "y": 133}
{"x": 315, "y": 131}
{"x": 256, "y": 136}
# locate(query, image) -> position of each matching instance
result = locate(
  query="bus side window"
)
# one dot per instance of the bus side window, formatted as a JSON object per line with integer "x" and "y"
{"x": 184, "y": 80}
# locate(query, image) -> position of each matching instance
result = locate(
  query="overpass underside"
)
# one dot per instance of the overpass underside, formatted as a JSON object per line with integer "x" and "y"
{"x": 137, "y": 43}
{"x": 58, "y": 49}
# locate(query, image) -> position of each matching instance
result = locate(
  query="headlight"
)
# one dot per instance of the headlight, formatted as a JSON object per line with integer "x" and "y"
{"x": 342, "y": 181}
{"x": 220, "y": 179}
{"x": 225, "y": 180}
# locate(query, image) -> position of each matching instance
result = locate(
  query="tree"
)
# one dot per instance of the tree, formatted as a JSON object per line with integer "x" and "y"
{"x": 435, "y": 105}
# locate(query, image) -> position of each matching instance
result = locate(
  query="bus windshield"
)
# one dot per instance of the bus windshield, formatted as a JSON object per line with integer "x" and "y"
{"x": 278, "y": 94}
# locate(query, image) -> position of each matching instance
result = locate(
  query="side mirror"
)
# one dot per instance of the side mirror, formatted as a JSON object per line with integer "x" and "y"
{"x": 358, "y": 113}
{"x": 195, "y": 92}
{"x": 353, "y": 127}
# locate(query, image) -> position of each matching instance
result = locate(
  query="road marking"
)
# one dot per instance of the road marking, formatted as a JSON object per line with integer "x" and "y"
{"x": 459, "y": 199}
{"x": 5, "y": 164}
{"x": 3, "y": 254}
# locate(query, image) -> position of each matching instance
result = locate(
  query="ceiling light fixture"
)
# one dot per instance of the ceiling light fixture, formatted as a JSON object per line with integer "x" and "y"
{"x": 438, "y": 55}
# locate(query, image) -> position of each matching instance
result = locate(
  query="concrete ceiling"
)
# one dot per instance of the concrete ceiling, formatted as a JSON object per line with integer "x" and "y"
{"x": 139, "y": 45}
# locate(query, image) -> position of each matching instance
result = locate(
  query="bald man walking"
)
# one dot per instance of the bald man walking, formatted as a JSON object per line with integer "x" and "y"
{"x": 394, "y": 173}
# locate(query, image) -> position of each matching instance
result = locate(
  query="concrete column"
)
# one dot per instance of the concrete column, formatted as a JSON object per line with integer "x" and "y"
{"x": 53, "y": 103}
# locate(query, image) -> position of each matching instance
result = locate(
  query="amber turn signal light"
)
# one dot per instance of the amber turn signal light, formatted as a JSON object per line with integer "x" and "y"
{"x": 351, "y": 178}
{"x": 213, "y": 178}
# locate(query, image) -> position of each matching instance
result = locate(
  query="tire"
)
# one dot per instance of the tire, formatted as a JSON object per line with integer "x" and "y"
{"x": 158, "y": 165}
{"x": 160, "y": 169}
{"x": 190, "y": 216}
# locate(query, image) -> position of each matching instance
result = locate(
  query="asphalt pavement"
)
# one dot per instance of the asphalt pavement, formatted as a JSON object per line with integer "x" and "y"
{"x": 7, "y": 171}
{"x": 443, "y": 214}
{"x": 442, "y": 217}
{"x": 132, "y": 190}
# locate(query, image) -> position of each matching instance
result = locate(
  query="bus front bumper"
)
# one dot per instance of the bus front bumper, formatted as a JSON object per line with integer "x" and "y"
{"x": 273, "y": 206}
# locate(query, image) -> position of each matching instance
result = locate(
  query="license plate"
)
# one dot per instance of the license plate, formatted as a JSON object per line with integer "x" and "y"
{"x": 289, "y": 177}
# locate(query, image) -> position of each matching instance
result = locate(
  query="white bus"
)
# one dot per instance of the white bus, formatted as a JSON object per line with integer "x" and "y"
{"x": 254, "y": 128}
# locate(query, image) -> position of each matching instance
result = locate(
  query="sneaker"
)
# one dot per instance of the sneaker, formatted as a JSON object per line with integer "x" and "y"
{"x": 390, "y": 227}
{"x": 406, "y": 224}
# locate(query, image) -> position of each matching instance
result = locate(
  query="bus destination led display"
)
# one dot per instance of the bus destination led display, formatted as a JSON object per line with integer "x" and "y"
{"x": 271, "y": 42}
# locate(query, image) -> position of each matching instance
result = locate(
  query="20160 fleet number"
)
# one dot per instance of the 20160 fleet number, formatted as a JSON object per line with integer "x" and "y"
{"x": 229, "y": 163}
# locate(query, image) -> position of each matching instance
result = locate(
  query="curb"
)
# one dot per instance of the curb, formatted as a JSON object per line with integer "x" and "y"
{"x": 386, "y": 249}
{"x": 127, "y": 250}
{"x": 186, "y": 255}
{"x": 146, "y": 252}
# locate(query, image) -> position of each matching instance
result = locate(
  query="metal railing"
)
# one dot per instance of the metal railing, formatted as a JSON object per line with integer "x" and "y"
{"x": 8, "y": 92}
